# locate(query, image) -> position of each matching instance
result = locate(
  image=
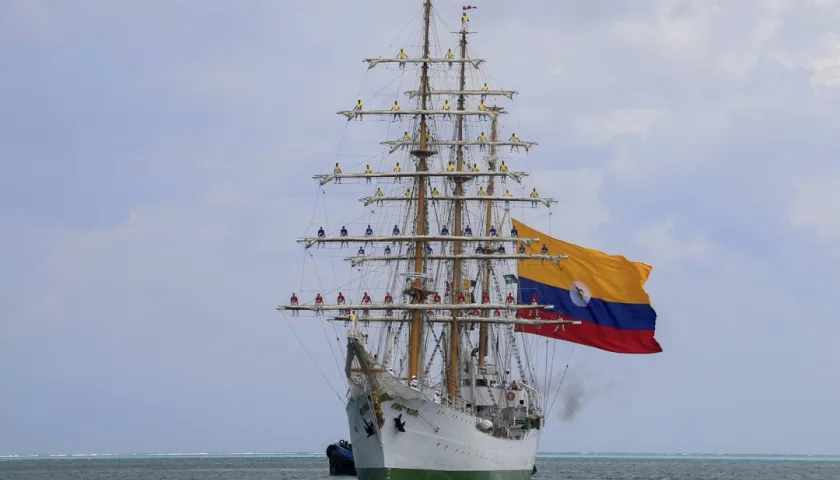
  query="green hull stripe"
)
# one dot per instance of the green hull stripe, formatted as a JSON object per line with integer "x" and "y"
{"x": 406, "y": 474}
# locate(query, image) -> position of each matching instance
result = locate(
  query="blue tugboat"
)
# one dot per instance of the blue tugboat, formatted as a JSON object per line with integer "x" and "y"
{"x": 340, "y": 456}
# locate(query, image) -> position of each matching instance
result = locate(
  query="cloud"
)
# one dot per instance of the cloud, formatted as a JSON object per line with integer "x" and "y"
{"x": 601, "y": 128}
{"x": 660, "y": 243}
{"x": 815, "y": 207}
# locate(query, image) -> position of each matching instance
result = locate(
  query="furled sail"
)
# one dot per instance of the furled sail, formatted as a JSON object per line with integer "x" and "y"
{"x": 605, "y": 292}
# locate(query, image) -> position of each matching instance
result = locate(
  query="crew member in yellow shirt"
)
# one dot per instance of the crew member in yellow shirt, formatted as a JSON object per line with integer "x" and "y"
{"x": 357, "y": 109}
{"x": 513, "y": 139}
{"x": 396, "y": 109}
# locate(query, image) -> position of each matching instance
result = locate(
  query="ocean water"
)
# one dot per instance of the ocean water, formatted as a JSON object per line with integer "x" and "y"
{"x": 314, "y": 467}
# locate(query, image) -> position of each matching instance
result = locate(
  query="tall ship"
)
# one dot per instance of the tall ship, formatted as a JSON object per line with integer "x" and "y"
{"x": 444, "y": 290}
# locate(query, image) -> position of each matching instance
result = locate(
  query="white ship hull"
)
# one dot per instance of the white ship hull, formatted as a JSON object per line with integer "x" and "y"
{"x": 439, "y": 442}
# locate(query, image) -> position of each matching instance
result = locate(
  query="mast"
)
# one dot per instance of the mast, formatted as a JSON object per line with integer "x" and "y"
{"x": 454, "y": 329}
{"x": 417, "y": 283}
{"x": 415, "y": 333}
{"x": 482, "y": 329}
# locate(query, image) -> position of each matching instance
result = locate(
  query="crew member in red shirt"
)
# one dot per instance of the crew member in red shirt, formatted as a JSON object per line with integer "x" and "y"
{"x": 485, "y": 298}
{"x": 497, "y": 313}
{"x": 340, "y": 299}
{"x": 534, "y": 302}
{"x": 437, "y": 298}
{"x": 461, "y": 298}
{"x": 366, "y": 299}
{"x": 389, "y": 299}
{"x": 319, "y": 300}
{"x": 294, "y": 302}
{"x": 510, "y": 298}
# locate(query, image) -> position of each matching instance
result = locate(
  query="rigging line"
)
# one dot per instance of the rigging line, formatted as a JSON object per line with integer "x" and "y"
{"x": 379, "y": 92}
{"x": 401, "y": 78}
{"x": 565, "y": 371}
{"x": 333, "y": 352}
{"x": 314, "y": 207}
{"x": 549, "y": 378}
{"x": 302, "y": 270}
{"x": 323, "y": 323}
{"x": 408, "y": 24}
{"x": 285, "y": 317}
{"x": 440, "y": 19}
{"x": 327, "y": 221}
{"x": 346, "y": 126}
{"x": 545, "y": 371}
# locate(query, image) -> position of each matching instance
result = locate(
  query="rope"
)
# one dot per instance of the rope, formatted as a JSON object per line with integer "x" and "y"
{"x": 323, "y": 326}
{"x": 548, "y": 374}
{"x": 565, "y": 371}
{"x": 286, "y": 318}
{"x": 327, "y": 221}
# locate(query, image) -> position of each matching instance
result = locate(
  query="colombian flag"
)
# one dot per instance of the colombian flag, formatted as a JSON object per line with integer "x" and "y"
{"x": 605, "y": 292}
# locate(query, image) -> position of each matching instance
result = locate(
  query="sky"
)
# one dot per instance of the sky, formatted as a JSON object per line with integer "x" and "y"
{"x": 156, "y": 161}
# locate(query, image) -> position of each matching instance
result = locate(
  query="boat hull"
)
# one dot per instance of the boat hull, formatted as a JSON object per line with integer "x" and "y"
{"x": 438, "y": 443}
{"x": 429, "y": 474}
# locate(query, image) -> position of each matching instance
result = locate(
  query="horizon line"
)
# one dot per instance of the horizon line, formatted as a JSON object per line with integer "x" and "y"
{"x": 543, "y": 455}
